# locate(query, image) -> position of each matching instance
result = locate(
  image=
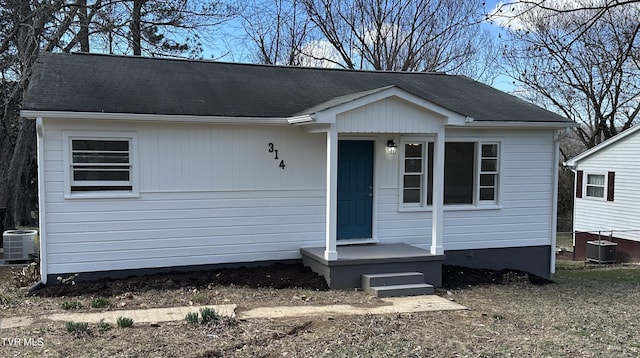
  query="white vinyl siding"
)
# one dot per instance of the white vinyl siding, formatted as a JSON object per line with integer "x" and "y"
{"x": 212, "y": 193}
{"x": 207, "y": 194}
{"x": 390, "y": 115}
{"x": 183, "y": 228}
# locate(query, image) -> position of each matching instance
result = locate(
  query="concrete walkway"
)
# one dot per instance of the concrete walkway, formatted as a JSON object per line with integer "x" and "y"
{"x": 170, "y": 314}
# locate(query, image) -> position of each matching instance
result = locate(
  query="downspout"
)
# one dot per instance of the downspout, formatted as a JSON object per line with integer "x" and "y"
{"x": 557, "y": 137}
{"x": 41, "y": 207}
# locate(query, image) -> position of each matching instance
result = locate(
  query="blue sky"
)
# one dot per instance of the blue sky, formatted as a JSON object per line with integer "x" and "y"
{"x": 233, "y": 28}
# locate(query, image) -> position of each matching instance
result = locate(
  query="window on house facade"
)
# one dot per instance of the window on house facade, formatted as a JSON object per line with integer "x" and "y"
{"x": 595, "y": 186}
{"x": 459, "y": 159}
{"x": 488, "y": 180}
{"x": 413, "y": 173}
{"x": 471, "y": 173}
{"x": 100, "y": 164}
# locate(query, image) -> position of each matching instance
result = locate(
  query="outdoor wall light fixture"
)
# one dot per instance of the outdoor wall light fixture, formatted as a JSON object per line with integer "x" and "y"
{"x": 392, "y": 147}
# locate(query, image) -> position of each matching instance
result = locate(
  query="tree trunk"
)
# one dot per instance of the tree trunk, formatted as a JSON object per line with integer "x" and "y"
{"x": 136, "y": 18}
{"x": 83, "y": 33}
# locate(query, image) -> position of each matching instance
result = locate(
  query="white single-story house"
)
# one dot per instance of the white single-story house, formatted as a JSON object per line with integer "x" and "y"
{"x": 607, "y": 195}
{"x": 149, "y": 164}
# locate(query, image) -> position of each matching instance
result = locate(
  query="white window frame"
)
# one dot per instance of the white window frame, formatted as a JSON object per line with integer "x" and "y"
{"x": 479, "y": 172}
{"x": 604, "y": 186}
{"x": 131, "y": 137}
{"x": 422, "y": 205}
{"x": 477, "y": 203}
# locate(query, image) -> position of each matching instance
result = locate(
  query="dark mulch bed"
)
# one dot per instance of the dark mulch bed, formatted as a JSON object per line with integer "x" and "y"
{"x": 275, "y": 276}
{"x": 456, "y": 277}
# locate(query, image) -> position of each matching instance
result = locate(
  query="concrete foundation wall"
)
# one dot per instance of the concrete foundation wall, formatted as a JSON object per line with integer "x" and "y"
{"x": 532, "y": 259}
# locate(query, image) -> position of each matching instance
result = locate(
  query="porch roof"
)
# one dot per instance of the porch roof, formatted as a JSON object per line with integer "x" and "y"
{"x": 120, "y": 84}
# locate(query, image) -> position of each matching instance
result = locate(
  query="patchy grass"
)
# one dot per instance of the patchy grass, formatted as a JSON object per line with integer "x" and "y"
{"x": 208, "y": 315}
{"x": 564, "y": 240}
{"x": 124, "y": 322}
{"x": 4, "y": 300}
{"x": 104, "y": 326}
{"x": 579, "y": 271}
{"x": 191, "y": 317}
{"x": 590, "y": 311}
{"x": 76, "y": 327}
{"x": 71, "y": 305}
{"x": 100, "y": 302}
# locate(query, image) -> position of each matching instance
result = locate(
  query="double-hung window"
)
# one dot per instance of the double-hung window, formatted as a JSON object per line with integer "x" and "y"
{"x": 413, "y": 174}
{"x": 595, "y": 186}
{"x": 489, "y": 170}
{"x": 101, "y": 164}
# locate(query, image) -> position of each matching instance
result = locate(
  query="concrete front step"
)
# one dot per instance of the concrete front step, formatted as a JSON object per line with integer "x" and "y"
{"x": 396, "y": 284}
{"x": 390, "y": 279}
{"x": 415, "y": 289}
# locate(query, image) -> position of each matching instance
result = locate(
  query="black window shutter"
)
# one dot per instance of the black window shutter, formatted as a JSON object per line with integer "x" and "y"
{"x": 579, "y": 175}
{"x": 611, "y": 176}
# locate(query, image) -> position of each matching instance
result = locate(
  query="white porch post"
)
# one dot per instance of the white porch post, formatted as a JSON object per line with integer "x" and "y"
{"x": 438, "y": 194}
{"x": 330, "y": 252}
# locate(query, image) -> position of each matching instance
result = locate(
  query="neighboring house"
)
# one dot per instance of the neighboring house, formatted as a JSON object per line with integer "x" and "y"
{"x": 607, "y": 195}
{"x": 160, "y": 163}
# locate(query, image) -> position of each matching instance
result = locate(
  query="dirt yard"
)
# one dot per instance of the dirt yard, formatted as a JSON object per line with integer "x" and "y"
{"x": 589, "y": 311}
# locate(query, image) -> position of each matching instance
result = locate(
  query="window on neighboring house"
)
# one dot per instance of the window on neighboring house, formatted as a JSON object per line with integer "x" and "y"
{"x": 101, "y": 164}
{"x": 595, "y": 186}
{"x": 471, "y": 173}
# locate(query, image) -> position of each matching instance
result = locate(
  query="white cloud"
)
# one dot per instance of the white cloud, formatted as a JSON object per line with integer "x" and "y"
{"x": 319, "y": 53}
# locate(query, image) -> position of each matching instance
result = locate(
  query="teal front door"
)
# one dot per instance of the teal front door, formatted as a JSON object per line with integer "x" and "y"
{"x": 355, "y": 189}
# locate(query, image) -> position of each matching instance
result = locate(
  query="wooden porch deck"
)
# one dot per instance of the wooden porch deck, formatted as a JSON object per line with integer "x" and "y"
{"x": 356, "y": 260}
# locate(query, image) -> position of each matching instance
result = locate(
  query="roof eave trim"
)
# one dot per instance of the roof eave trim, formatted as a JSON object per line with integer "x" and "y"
{"x": 153, "y": 117}
{"x": 515, "y": 124}
{"x": 302, "y": 119}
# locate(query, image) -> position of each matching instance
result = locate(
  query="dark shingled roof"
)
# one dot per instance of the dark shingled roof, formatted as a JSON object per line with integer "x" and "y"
{"x": 120, "y": 84}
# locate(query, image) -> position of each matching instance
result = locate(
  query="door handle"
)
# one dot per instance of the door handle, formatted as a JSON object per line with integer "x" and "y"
{"x": 371, "y": 195}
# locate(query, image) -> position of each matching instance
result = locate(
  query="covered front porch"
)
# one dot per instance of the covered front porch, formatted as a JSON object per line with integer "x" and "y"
{"x": 384, "y": 148}
{"x": 356, "y": 260}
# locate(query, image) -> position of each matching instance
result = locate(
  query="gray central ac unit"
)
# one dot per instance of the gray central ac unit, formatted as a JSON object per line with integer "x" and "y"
{"x": 602, "y": 251}
{"x": 19, "y": 245}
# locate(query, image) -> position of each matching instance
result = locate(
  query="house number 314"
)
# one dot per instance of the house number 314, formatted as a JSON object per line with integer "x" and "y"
{"x": 272, "y": 149}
